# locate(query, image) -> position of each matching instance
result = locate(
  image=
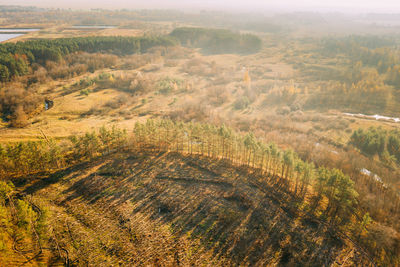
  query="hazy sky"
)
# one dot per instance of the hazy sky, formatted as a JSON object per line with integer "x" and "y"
{"x": 353, "y": 6}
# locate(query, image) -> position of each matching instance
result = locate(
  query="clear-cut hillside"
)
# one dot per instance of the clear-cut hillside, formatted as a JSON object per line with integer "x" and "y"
{"x": 166, "y": 209}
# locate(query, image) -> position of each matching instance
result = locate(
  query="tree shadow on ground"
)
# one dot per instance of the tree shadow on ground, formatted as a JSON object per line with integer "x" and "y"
{"x": 245, "y": 217}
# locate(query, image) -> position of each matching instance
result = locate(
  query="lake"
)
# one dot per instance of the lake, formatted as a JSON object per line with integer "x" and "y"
{"x": 11, "y": 30}
{"x": 7, "y": 33}
{"x": 5, "y": 37}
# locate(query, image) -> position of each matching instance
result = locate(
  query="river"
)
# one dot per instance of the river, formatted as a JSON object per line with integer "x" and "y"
{"x": 376, "y": 117}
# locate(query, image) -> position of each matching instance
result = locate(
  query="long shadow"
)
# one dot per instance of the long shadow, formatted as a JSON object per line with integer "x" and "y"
{"x": 226, "y": 224}
{"x": 194, "y": 181}
{"x": 54, "y": 178}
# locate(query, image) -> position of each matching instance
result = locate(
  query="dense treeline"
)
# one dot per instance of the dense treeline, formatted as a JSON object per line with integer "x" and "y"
{"x": 17, "y": 58}
{"x": 377, "y": 141}
{"x": 218, "y": 41}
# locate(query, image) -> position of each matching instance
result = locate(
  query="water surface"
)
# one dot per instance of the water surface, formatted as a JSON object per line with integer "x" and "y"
{"x": 376, "y": 117}
{"x": 17, "y": 30}
{"x": 8, "y": 36}
{"x": 10, "y": 33}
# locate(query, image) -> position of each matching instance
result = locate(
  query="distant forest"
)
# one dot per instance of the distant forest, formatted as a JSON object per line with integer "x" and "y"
{"x": 217, "y": 41}
{"x": 16, "y": 58}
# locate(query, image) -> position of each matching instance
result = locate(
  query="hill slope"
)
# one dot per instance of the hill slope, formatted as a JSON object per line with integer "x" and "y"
{"x": 166, "y": 209}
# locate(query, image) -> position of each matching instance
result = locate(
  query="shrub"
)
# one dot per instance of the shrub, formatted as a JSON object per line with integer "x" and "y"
{"x": 241, "y": 103}
{"x": 167, "y": 85}
{"x": 25, "y": 214}
{"x": 84, "y": 92}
